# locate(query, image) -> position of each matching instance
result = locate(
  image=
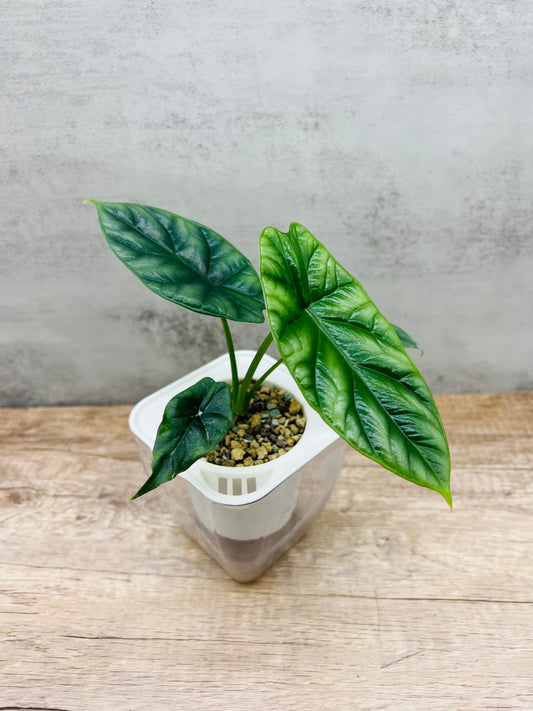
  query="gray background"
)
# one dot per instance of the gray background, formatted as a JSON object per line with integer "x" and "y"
{"x": 399, "y": 133}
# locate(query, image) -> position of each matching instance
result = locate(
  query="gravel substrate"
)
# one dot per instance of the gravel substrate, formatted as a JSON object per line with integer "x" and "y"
{"x": 272, "y": 426}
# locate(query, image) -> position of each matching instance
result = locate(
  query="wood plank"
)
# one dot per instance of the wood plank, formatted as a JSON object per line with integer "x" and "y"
{"x": 389, "y": 602}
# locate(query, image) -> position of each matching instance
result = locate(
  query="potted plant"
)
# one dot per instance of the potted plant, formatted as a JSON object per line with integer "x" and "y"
{"x": 250, "y": 481}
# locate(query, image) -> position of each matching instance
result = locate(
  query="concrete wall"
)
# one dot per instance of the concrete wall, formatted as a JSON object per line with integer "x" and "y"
{"x": 399, "y": 132}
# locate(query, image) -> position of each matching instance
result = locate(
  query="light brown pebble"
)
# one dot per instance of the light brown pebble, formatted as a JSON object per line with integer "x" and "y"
{"x": 272, "y": 456}
{"x": 261, "y": 453}
{"x": 293, "y": 429}
{"x": 241, "y": 432}
{"x": 294, "y": 406}
{"x": 228, "y": 463}
{"x": 248, "y": 461}
{"x": 265, "y": 390}
{"x": 300, "y": 421}
{"x": 255, "y": 420}
{"x": 237, "y": 454}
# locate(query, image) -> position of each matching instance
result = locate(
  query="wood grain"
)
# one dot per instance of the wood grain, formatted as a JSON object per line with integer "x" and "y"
{"x": 389, "y": 603}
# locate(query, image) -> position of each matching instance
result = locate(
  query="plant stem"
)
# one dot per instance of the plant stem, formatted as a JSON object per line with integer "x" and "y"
{"x": 259, "y": 382}
{"x": 234, "y": 373}
{"x": 240, "y": 405}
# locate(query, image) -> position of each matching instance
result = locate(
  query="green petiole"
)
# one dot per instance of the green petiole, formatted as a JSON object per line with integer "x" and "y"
{"x": 240, "y": 404}
{"x": 233, "y": 362}
{"x": 259, "y": 382}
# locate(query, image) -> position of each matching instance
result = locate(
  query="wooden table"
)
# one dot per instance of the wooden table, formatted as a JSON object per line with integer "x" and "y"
{"x": 390, "y": 602}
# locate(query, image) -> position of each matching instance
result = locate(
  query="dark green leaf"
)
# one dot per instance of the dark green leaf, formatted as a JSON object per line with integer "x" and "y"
{"x": 183, "y": 261}
{"x": 348, "y": 361}
{"x": 405, "y": 338}
{"x": 194, "y": 422}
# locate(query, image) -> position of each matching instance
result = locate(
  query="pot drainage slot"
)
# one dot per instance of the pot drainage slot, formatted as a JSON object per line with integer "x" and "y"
{"x": 222, "y": 485}
{"x": 238, "y": 486}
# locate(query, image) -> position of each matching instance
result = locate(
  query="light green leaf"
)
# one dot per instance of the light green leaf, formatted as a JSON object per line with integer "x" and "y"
{"x": 193, "y": 423}
{"x": 406, "y": 340}
{"x": 183, "y": 261}
{"x": 348, "y": 360}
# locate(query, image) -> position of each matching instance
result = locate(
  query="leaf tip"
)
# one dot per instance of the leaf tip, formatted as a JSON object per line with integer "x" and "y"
{"x": 447, "y": 496}
{"x": 145, "y": 488}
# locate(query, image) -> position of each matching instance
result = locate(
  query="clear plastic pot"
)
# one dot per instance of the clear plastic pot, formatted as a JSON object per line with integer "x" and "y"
{"x": 246, "y": 517}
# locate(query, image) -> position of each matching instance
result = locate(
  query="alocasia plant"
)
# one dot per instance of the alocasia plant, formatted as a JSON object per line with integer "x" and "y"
{"x": 349, "y": 362}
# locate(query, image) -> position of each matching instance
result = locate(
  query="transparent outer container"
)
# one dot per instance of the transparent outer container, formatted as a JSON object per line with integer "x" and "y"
{"x": 246, "y": 517}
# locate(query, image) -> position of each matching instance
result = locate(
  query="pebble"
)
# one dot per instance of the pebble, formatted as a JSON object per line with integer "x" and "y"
{"x": 294, "y": 406}
{"x": 255, "y": 421}
{"x": 237, "y": 454}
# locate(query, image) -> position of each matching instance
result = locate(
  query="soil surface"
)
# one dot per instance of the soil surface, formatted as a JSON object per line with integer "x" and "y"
{"x": 273, "y": 424}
